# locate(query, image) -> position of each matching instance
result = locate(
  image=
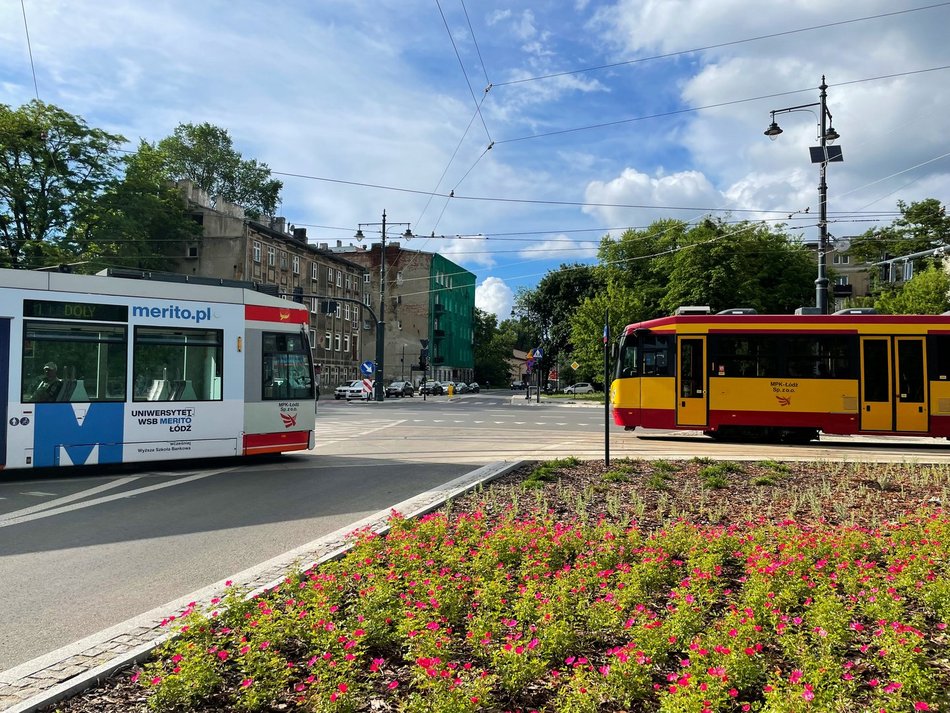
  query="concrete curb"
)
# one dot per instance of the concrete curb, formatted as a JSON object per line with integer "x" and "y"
{"x": 63, "y": 673}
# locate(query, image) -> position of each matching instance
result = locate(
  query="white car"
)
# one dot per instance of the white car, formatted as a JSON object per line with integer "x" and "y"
{"x": 581, "y": 387}
{"x": 343, "y": 390}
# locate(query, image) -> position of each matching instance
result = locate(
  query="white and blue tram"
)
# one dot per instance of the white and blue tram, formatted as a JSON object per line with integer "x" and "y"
{"x": 113, "y": 370}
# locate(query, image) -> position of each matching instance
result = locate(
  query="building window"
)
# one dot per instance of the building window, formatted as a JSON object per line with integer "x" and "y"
{"x": 314, "y": 271}
{"x": 271, "y": 256}
{"x": 841, "y": 280}
{"x": 314, "y": 305}
{"x": 326, "y": 341}
{"x": 192, "y": 251}
{"x": 295, "y": 262}
{"x": 366, "y": 299}
{"x": 329, "y": 275}
{"x": 839, "y": 259}
{"x": 283, "y": 260}
{"x": 336, "y": 342}
{"x": 338, "y": 311}
{"x": 365, "y": 278}
{"x": 346, "y": 343}
{"x": 346, "y": 311}
{"x": 256, "y": 251}
{"x": 339, "y": 278}
{"x": 348, "y": 280}
{"x": 399, "y": 277}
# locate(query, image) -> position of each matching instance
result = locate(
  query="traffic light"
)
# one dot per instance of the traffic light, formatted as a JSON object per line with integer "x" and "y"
{"x": 424, "y": 359}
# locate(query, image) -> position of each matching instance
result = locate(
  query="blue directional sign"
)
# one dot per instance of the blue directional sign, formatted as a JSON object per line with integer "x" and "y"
{"x": 367, "y": 368}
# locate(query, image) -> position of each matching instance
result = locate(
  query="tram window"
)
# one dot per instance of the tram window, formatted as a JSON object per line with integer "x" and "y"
{"x": 87, "y": 362}
{"x": 910, "y": 377}
{"x": 173, "y": 364}
{"x": 820, "y": 356}
{"x": 656, "y": 350}
{"x": 287, "y": 371}
{"x": 938, "y": 357}
{"x": 627, "y": 362}
{"x": 746, "y": 355}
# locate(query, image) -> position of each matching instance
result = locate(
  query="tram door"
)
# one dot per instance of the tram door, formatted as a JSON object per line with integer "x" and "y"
{"x": 691, "y": 381}
{"x": 5, "y": 383}
{"x": 893, "y": 384}
{"x": 911, "y": 397}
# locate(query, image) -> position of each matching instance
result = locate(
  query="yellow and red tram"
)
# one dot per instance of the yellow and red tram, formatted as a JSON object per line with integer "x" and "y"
{"x": 785, "y": 377}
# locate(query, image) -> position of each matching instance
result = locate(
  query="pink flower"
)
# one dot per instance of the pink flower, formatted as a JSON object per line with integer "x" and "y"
{"x": 393, "y": 684}
{"x": 155, "y": 681}
{"x": 135, "y": 676}
{"x": 247, "y": 682}
{"x": 921, "y": 706}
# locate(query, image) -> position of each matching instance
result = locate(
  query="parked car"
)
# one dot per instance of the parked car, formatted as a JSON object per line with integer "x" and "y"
{"x": 474, "y": 387}
{"x": 433, "y": 388}
{"x": 400, "y": 389}
{"x": 461, "y": 388}
{"x": 581, "y": 387}
{"x": 517, "y": 385}
{"x": 342, "y": 391}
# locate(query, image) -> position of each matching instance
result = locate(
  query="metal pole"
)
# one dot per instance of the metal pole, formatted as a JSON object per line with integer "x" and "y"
{"x": 381, "y": 324}
{"x": 607, "y": 387}
{"x": 821, "y": 284}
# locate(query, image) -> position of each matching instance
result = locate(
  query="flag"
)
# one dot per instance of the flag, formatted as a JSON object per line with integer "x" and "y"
{"x": 606, "y": 333}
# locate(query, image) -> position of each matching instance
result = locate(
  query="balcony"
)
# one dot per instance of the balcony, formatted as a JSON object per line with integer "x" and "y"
{"x": 842, "y": 290}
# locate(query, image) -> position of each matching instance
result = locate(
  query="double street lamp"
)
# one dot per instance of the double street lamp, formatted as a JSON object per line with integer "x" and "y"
{"x": 379, "y": 390}
{"x": 821, "y": 155}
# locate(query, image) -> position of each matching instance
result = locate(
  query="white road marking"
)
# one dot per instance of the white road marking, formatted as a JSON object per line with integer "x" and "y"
{"x": 6, "y": 522}
{"x": 368, "y": 431}
{"x": 66, "y": 498}
{"x": 38, "y": 494}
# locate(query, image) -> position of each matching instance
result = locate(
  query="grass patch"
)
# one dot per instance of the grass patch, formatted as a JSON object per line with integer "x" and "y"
{"x": 715, "y": 476}
{"x": 548, "y": 471}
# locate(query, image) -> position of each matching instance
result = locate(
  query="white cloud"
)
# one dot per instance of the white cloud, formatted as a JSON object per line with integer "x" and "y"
{"x": 494, "y": 296}
{"x": 561, "y": 248}
{"x": 631, "y": 187}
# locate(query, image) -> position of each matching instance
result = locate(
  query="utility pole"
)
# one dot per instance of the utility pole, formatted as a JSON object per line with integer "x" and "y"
{"x": 379, "y": 389}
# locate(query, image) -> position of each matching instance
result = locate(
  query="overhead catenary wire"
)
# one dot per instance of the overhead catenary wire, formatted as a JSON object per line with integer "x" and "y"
{"x": 731, "y": 43}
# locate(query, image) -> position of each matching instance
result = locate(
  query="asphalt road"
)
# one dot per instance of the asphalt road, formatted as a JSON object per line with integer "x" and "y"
{"x": 82, "y": 550}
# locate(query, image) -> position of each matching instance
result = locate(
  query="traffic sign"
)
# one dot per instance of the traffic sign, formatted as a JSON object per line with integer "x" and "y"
{"x": 538, "y": 353}
{"x": 575, "y": 366}
{"x": 368, "y": 367}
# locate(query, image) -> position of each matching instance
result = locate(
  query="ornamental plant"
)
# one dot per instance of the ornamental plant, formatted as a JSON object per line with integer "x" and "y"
{"x": 538, "y": 611}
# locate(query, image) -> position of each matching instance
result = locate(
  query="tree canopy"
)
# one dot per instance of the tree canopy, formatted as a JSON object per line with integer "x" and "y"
{"x": 53, "y": 167}
{"x": 205, "y": 154}
{"x": 927, "y": 292}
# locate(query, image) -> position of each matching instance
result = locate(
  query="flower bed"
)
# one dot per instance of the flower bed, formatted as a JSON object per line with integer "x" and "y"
{"x": 503, "y": 603}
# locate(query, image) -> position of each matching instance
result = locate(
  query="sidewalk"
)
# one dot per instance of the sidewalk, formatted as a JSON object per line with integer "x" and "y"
{"x": 65, "y": 672}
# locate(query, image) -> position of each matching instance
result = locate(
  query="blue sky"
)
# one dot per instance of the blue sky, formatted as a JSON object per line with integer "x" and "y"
{"x": 360, "y": 107}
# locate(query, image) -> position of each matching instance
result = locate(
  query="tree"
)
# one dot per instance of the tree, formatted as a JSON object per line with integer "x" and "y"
{"x": 927, "y": 292}
{"x": 492, "y": 349}
{"x": 140, "y": 221}
{"x": 641, "y": 261}
{"x": 587, "y": 327}
{"x": 52, "y": 169}
{"x": 550, "y": 306}
{"x": 205, "y": 154}
{"x": 923, "y": 225}
{"x": 743, "y": 265}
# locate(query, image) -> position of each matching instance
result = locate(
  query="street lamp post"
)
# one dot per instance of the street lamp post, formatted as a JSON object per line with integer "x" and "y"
{"x": 379, "y": 390}
{"x": 821, "y": 155}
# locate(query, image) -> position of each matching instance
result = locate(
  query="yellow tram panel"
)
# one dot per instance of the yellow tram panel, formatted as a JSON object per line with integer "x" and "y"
{"x": 784, "y": 395}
